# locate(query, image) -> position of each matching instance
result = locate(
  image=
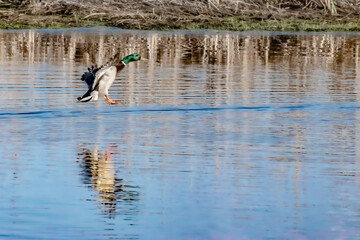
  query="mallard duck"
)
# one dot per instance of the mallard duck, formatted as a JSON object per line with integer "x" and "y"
{"x": 99, "y": 80}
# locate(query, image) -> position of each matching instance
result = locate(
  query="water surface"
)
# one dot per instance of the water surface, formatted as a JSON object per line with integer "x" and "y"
{"x": 220, "y": 135}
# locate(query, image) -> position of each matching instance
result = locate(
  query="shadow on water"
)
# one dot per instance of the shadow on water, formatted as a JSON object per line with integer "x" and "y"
{"x": 98, "y": 172}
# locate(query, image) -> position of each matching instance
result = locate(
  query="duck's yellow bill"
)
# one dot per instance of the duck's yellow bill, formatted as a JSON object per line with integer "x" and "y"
{"x": 143, "y": 59}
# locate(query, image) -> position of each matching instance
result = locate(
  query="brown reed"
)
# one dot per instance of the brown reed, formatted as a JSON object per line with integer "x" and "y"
{"x": 177, "y": 13}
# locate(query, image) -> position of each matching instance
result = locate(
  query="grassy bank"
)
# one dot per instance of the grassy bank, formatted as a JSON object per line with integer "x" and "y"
{"x": 280, "y": 15}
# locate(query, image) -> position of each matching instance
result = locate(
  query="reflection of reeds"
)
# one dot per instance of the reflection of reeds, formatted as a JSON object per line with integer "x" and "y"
{"x": 170, "y": 54}
{"x": 164, "y": 48}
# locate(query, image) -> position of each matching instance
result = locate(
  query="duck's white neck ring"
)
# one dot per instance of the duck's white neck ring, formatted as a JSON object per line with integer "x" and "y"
{"x": 123, "y": 63}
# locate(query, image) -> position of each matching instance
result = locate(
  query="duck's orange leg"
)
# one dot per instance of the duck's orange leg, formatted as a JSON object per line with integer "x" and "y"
{"x": 111, "y": 101}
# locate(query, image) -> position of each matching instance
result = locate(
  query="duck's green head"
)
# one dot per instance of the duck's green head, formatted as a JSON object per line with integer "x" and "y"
{"x": 131, "y": 58}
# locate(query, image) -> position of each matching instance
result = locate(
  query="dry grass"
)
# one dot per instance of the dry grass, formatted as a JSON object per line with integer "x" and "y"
{"x": 178, "y": 13}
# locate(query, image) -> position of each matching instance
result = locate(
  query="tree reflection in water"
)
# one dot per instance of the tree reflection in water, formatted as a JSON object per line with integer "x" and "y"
{"x": 99, "y": 173}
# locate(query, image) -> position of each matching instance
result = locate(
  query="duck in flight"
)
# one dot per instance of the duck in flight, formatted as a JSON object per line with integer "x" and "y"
{"x": 99, "y": 80}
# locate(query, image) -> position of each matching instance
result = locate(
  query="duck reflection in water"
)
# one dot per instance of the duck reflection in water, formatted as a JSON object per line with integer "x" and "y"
{"x": 99, "y": 173}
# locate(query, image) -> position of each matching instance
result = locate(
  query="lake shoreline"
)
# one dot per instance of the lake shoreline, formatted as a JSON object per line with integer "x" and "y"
{"x": 37, "y": 14}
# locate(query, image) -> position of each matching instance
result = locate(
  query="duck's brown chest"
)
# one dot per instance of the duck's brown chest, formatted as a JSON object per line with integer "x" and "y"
{"x": 119, "y": 67}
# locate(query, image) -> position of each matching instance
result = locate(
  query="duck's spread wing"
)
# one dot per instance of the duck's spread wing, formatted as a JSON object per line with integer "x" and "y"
{"x": 89, "y": 77}
{"x": 94, "y": 74}
{"x": 99, "y": 75}
{"x": 113, "y": 60}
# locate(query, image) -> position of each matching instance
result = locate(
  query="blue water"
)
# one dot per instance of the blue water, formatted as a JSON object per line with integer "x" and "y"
{"x": 195, "y": 151}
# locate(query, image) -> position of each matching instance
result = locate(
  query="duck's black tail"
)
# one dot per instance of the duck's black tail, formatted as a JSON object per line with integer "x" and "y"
{"x": 86, "y": 97}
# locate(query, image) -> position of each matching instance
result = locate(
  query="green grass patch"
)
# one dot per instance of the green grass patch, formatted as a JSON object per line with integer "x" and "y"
{"x": 236, "y": 23}
{"x": 247, "y": 24}
{"x": 241, "y": 24}
{"x": 64, "y": 22}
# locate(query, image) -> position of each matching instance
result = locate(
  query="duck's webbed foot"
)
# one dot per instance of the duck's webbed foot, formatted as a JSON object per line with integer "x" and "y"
{"x": 111, "y": 101}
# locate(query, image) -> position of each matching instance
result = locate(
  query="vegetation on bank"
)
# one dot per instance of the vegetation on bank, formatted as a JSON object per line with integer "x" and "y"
{"x": 279, "y": 15}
